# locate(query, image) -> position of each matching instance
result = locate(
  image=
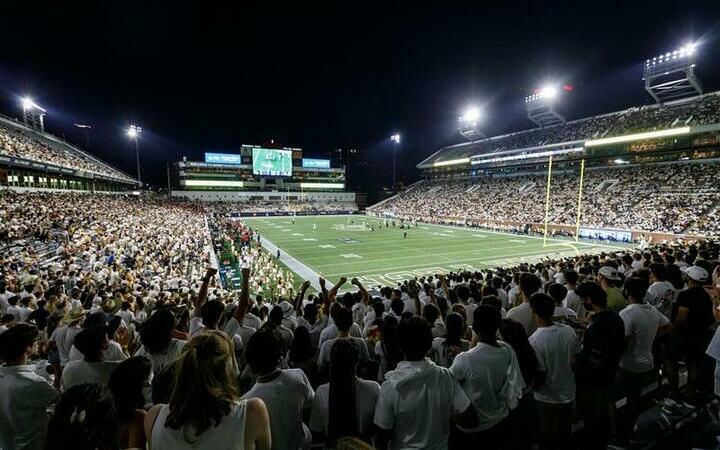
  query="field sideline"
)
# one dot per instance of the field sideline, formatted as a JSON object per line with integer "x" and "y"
{"x": 335, "y": 246}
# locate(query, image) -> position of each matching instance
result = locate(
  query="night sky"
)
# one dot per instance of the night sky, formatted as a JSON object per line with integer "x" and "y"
{"x": 321, "y": 76}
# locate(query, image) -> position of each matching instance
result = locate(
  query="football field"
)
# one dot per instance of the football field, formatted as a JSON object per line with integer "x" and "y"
{"x": 336, "y": 246}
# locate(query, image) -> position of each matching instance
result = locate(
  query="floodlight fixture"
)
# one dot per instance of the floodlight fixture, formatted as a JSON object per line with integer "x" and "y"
{"x": 134, "y": 131}
{"x": 28, "y": 104}
{"x": 471, "y": 116}
{"x": 395, "y": 138}
{"x": 671, "y": 75}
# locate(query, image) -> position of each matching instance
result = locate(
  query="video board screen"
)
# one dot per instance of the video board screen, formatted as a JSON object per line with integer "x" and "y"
{"x": 310, "y": 163}
{"x": 223, "y": 158}
{"x": 272, "y": 163}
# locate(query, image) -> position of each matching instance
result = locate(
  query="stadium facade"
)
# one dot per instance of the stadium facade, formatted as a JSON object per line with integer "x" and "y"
{"x": 260, "y": 174}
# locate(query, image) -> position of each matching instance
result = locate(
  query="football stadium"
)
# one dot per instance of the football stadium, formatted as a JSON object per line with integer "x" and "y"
{"x": 293, "y": 250}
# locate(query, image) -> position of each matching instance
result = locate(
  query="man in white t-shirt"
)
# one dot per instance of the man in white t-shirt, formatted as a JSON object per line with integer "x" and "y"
{"x": 418, "y": 399}
{"x": 643, "y": 324}
{"x": 92, "y": 369}
{"x": 287, "y": 393}
{"x": 661, "y": 292}
{"x": 24, "y": 395}
{"x": 331, "y": 331}
{"x": 555, "y": 346}
{"x": 343, "y": 321}
{"x": 490, "y": 375}
{"x": 572, "y": 300}
{"x": 529, "y": 284}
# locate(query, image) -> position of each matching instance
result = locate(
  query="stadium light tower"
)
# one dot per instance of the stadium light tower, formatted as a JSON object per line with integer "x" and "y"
{"x": 672, "y": 75}
{"x": 33, "y": 114}
{"x": 134, "y": 133}
{"x": 468, "y": 122}
{"x": 395, "y": 138}
{"x": 540, "y": 106}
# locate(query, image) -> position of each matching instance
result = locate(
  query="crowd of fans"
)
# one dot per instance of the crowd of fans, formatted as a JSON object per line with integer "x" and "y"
{"x": 119, "y": 337}
{"x": 19, "y": 145}
{"x": 704, "y": 110}
{"x": 678, "y": 198}
{"x": 261, "y": 207}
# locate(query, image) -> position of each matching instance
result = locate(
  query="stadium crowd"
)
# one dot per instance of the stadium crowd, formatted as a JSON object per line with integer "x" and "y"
{"x": 677, "y": 198}
{"x": 283, "y": 207}
{"x": 16, "y": 144}
{"x": 114, "y": 334}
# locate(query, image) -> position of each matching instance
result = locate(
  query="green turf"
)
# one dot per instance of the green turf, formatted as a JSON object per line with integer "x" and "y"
{"x": 338, "y": 247}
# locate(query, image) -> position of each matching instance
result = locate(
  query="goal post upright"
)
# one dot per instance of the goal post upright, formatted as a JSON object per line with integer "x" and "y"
{"x": 547, "y": 200}
{"x": 579, "y": 202}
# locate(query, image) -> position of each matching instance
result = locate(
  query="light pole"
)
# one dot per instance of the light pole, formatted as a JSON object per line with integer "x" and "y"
{"x": 396, "y": 141}
{"x": 134, "y": 133}
{"x": 33, "y": 114}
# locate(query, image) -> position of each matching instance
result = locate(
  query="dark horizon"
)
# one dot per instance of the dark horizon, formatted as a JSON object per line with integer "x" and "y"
{"x": 320, "y": 77}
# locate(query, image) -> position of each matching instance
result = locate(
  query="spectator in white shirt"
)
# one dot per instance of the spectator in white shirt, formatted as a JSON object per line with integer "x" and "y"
{"x": 5, "y": 295}
{"x": 643, "y": 325}
{"x": 572, "y": 300}
{"x": 63, "y": 337}
{"x": 490, "y": 375}
{"x": 13, "y": 307}
{"x": 343, "y": 321}
{"x": 418, "y": 400}
{"x": 24, "y": 395}
{"x": 158, "y": 345}
{"x": 346, "y": 405}
{"x": 661, "y": 292}
{"x": 91, "y": 342}
{"x": 287, "y": 393}
{"x": 529, "y": 284}
{"x": 555, "y": 346}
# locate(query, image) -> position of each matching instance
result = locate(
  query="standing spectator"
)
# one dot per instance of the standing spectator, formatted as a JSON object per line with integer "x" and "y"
{"x": 529, "y": 285}
{"x": 24, "y": 395}
{"x": 596, "y": 365}
{"x": 345, "y": 406}
{"x": 643, "y": 325}
{"x": 418, "y": 398}
{"x": 205, "y": 409}
{"x": 91, "y": 342}
{"x": 388, "y": 347}
{"x": 445, "y": 349}
{"x": 343, "y": 321}
{"x": 555, "y": 346}
{"x": 608, "y": 277}
{"x": 287, "y": 393}
{"x": 692, "y": 316}
{"x": 523, "y": 420}
{"x": 63, "y": 338}
{"x": 490, "y": 375}
{"x": 158, "y": 343}
{"x": 661, "y": 292}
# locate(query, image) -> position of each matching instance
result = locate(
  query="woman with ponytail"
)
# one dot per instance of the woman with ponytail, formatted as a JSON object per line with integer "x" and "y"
{"x": 344, "y": 407}
{"x": 205, "y": 409}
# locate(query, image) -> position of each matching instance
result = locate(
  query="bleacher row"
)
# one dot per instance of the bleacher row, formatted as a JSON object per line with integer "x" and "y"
{"x": 18, "y": 143}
